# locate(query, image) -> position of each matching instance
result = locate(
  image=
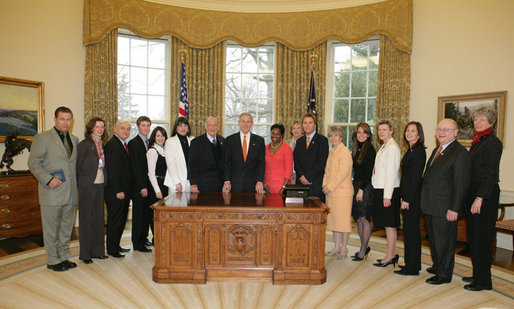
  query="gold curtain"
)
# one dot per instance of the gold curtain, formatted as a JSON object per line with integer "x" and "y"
{"x": 204, "y": 28}
{"x": 292, "y": 82}
{"x": 204, "y": 77}
{"x": 393, "y": 88}
{"x": 100, "y": 81}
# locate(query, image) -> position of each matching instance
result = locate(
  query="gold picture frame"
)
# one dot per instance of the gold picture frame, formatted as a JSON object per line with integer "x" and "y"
{"x": 21, "y": 107}
{"x": 459, "y": 108}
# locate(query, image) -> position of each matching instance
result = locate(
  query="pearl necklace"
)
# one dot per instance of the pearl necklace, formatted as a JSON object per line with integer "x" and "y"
{"x": 271, "y": 145}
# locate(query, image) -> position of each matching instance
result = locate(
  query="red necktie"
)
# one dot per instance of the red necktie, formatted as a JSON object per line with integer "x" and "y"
{"x": 244, "y": 148}
{"x": 126, "y": 149}
{"x": 437, "y": 154}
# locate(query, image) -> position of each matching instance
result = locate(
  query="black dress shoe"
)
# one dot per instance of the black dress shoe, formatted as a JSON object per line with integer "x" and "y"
{"x": 477, "y": 287}
{"x": 431, "y": 270}
{"x": 88, "y": 261}
{"x": 58, "y": 267}
{"x": 468, "y": 279}
{"x": 116, "y": 255}
{"x": 69, "y": 264}
{"x": 403, "y": 272}
{"x": 124, "y": 249}
{"x": 143, "y": 249}
{"x": 148, "y": 243}
{"x": 101, "y": 257}
{"x": 436, "y": 280}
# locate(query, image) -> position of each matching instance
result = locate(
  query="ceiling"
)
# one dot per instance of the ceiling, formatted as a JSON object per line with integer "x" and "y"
{"x": 267, "y": 6}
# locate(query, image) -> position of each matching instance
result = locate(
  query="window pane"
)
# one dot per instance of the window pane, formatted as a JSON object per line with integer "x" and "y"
{"x": 249, "y": 86}
{"x": 358, "y": 111}
{"x": 233, "y": 59}
{"x": 359, "y": 57}
{"x": 342, "y": 85}
{"x": 231, "y": 129}
{"x": 373, "y": 79}
{"x": 341, "y": 111}
{"x": 265, "y": 86}
{"x": 138, "y": 80}
{"x": 138, "y": 106}
{"x": 138, "y": 49}
{"x": 157, "y": 108}
{"x": 372, "y": 109}
{"x": 373, "y": 54}
{"x": 263, "y": 131}
{"x": 250, "y": 59}
{"x": 156, "y": 55}
{"x": 232, "y": 85}
{"x": 233, "y": 109}
{"x": 359, "y": 84}
{"x": 123, "y": 50}
{"x": 265, "y": 111}
{"x": 342, "y": 58}
{"x": 156, "y": 81}
{"x": 266, "y": 59}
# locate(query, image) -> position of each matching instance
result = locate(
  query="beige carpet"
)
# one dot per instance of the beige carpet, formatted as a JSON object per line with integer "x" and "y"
{"x": 127, "y": 283}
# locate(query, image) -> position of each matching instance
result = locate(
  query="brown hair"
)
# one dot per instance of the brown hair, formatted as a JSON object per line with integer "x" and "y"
{"x": 365, "y": 127}
{"x": 91, "y": 124}
{"x": 419, "y": 127}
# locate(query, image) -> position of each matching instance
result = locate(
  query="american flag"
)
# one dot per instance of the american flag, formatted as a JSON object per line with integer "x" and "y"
{"x": 311, "y": 105}
{"x": 183, "y": 106}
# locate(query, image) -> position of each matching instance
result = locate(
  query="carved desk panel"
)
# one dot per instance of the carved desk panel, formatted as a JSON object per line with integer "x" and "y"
{"x": 239, "y": 236}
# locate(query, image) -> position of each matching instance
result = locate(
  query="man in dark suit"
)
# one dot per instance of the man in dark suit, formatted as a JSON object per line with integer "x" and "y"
{"x": 206, "y": 155}
{"x": 140, "y": 185}
{"x": 52, "y": 160}
{"x": 445, "y": 184}
{"x": 117, "y": 191}
{"x": 310, "y": 157}
{"x": 244, "y": 159}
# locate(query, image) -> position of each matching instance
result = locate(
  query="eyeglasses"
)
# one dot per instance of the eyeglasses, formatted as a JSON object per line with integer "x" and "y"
{"x": 445, "y": 130}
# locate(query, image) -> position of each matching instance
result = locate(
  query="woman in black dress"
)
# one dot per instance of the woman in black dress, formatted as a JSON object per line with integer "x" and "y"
{"x": 90, "y": 181}
{"x": 157, "y": 164}
{"x": 483, "y": 196}
{"x": 363, "y": 154}
{"x": 412, "y": 165}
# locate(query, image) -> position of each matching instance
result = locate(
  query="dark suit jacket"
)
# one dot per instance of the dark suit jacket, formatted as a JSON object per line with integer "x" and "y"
{"x": 485, "y": 165}
{"x": 117, "y": 168}
{"x": 203, "y": 169}
{"x": 87, "y": 163}
{"x": 446, "y": 181}
{"x": 138, "y": 164}
{"x": 244, "y": 175}
{"x": 413, "y": 164}
{"x": 310, "y": 162}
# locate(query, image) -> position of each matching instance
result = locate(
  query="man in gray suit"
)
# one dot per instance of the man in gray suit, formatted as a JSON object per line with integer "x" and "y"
{"x": 445, "y": 184}
{"x": 52, "y": 161}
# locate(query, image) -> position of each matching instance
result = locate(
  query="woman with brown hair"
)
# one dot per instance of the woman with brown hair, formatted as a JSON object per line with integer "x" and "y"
{"x": 363, "y": 154}
{"x": 90, "y": 182}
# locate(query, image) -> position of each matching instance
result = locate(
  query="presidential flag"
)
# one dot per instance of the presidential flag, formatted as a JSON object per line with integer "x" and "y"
{"x": 183, "y": 106}
{"x": 311, "y": 105}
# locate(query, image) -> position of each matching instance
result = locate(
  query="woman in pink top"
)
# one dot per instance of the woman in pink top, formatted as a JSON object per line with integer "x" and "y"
{"x": 279, "y": 161}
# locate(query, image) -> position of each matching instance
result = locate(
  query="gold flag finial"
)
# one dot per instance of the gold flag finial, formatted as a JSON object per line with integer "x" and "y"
{"x": 182, "y": 52}
{"x": 314, "y": 56}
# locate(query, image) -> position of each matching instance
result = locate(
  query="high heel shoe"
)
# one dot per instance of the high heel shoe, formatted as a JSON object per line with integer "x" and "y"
{"x": 357, "y": 258}
{"x": 393, "y": 261}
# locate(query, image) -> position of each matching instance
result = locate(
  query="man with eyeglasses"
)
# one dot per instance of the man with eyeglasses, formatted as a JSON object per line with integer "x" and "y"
{"x": 445, "y": 184}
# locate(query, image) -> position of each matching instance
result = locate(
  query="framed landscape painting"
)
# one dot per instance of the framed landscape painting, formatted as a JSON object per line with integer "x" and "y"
{"x": 21, "y": 107}
{"x": 460, "y": 107}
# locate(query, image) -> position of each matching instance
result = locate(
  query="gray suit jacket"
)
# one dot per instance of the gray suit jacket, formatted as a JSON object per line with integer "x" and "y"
{"x": 446, "y": 181}
{"x": 48, "y": 155}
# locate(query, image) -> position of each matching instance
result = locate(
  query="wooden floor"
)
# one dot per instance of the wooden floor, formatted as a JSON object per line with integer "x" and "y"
{"x": 502, "y": 258}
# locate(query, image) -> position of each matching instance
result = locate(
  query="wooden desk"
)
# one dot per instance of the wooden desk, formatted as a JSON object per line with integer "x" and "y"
{"x": 239, "y": 236}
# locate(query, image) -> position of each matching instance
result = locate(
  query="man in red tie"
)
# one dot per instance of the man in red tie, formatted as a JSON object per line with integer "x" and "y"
{"x": 244, "y": 159}
{"x": 445, "y": 184}
{"x": 118, "y": 184}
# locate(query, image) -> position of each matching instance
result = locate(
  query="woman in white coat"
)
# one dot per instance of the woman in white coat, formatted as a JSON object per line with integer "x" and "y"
{"x": 176, "y": 151}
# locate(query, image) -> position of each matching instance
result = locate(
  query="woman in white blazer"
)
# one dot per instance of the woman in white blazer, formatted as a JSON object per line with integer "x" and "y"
{"x": 176, "y": 151}
{"x": 386, "y": 183}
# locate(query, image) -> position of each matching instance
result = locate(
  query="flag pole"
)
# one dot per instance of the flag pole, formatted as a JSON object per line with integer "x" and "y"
{"x": 183, "y": 108}
{"x": 311, "y": 104}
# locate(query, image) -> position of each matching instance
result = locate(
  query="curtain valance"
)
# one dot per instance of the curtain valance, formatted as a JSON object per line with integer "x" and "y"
{"x": 203, "y": 28}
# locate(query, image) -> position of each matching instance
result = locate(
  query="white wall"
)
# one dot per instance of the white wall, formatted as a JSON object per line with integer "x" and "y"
{"x": 460, "y": 47}
{"x": 463, "y": 47}
{"x": 42, "y": 41}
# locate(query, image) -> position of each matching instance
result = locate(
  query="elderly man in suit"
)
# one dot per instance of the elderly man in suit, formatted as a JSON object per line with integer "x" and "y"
{"x": 52, "y": 161}
{"x": 117, "y": 191}
{"x": 310, "y": 157}
{"x": 206, "y": 154}
{"x": 244, "y": 159}
{"x": 445, "y": 184}
{"x": 141, "y": 212}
